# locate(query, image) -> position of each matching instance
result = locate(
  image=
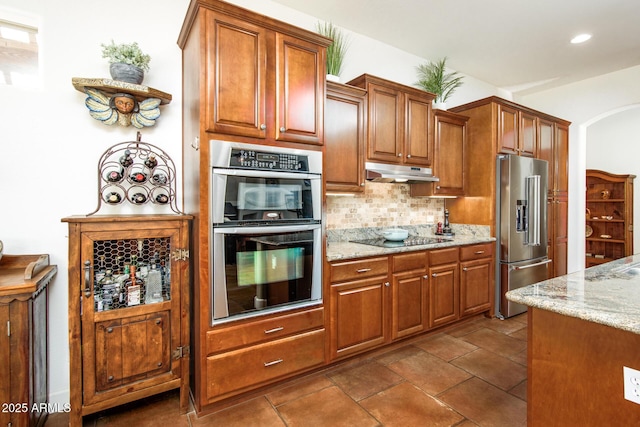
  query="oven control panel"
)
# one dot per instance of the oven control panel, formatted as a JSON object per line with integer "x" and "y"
{"x": 249, "y": 159}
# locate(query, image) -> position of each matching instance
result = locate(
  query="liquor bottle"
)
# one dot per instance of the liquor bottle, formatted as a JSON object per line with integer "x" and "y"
{"x": 126, "y": 160}
{"x": 133, "y": 287}
{"x": 138, "y": 198}
{"x": 151, "y": 161}
{"x": 139, "y": 177}
{"x": 153, "y": 290}
{"x": 115, "y": 175}
{"x": 162, "y": 198}
{"x": 108, "y": 294}
{"x": 113, "y": 198}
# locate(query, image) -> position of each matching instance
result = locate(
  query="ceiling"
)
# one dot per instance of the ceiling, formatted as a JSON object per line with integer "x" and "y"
{"x": 521, "y": 46}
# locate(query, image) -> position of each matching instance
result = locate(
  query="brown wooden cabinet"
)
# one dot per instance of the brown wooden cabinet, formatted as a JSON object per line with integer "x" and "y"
{"x": 609, "y": 219}
{"x": 399, "y": 126}
{"x": 23, "y": 342}
{"x": 346, "y": 118}
{"x": 409, "y": 287}
{"x": 476, "y": 278}
{"x": 444, "y": 287}
{"x": 358, "y": 305}
{"x": 127, "y": 341}
{"x": 246, "y": 78}
{"x": 497, "y": 126}
{"x": 261, "y": 82}
{"x": 450, "y": 141}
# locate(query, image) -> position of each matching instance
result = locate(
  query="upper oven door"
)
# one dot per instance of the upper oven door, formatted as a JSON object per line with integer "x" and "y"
{"x": 247, "y": 196}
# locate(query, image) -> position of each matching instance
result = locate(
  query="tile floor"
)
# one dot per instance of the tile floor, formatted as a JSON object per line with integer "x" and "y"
{"x": 472, "y": 374}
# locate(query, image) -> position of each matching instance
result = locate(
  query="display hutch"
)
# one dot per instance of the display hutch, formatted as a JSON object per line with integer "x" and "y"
{"x": 23, "y": 342}
{"x": 609, "y": 217}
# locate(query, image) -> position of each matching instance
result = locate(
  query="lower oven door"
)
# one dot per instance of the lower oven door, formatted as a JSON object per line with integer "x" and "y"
{"x": 260, "y": 269}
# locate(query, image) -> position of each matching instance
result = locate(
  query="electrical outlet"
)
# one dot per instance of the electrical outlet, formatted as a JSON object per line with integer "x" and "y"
{"x": 631, "y": 384}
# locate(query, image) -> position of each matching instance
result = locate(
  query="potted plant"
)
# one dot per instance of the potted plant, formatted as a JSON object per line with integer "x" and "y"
{"x": 128, "y": 62}
{"x": 434, "y": 78}
{"x": 335, "y": 51}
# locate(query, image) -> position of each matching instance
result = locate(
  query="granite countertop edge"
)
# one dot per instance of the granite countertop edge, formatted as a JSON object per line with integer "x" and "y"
{"x": 607, "y": 294}
{"x": 337, "y": 250}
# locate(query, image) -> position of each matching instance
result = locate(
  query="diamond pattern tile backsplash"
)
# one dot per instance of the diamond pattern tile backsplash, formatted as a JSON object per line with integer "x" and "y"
{"x": 381, "y": 205}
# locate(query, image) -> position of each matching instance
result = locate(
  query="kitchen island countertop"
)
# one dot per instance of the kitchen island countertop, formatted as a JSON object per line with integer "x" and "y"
{"x": 608, "y": 294}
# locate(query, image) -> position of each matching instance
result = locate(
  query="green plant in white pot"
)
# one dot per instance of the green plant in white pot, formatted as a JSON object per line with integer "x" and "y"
{"x": 336, "y": 50}
{"x": 128, "y": 62}
{"x": 434, "y": 78}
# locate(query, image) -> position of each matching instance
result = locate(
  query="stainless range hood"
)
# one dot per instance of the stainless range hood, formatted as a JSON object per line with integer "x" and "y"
{"x": 382, "y": 172}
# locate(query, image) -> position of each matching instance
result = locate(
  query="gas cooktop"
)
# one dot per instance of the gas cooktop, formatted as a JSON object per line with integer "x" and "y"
{"x": 409, "y": 241}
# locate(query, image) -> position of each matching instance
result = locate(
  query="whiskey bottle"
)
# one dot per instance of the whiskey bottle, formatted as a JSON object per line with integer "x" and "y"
{"x": 133, "y": 287}
{"x": 151, "y": 161}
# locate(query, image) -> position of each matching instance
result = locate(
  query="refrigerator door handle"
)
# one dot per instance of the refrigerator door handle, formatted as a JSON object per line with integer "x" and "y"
{"x": 524, "y": 267}
{"x": 533, "y": 188}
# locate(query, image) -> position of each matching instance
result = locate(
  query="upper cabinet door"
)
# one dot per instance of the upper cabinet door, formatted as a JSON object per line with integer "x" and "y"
{"x": 507, "y": 130}
{"x": 528, "y": 135}
{"x": 300, "y": 86}
{"x": 235, "y": 77}
{"x": 385, "y": 124}
{"x": 418, "y": 143}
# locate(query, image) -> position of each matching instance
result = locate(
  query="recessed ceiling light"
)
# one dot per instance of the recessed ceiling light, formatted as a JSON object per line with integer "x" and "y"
{"x": 580, "y": 38}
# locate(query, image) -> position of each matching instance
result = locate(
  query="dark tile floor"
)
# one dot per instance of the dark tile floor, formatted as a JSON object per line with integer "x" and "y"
{"x": 469, "y": 375}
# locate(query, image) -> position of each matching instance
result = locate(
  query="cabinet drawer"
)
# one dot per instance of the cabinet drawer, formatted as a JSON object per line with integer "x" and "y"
{"x": 409, "y": 261}
{"x": 351, "y": 270}
{"x": 443, "y": 256}
{"x": 484, "y": 250}
{"x": 263, "y": 330}
{"x": 239, "y": 370}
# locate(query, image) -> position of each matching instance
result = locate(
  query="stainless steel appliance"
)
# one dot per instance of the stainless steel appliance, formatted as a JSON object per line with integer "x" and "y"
{"x": 409, "y": 241}
{"x": 383, "y": 172}
{"x": 266, "y": 210}
{"x": 521, "y": 228}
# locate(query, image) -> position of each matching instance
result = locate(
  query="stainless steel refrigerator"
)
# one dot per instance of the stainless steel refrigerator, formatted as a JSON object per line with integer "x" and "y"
{"x": 521, "y": 229}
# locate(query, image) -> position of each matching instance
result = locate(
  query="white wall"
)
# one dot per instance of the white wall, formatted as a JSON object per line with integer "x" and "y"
{"x": 584, "y": 104}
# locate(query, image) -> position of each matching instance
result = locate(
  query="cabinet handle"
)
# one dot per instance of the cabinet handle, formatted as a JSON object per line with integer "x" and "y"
{"x": 274, "y": 362}
{"x": 479, "y": 252}
{"x": 434, "y": 275}
{"x": 437, "y": 187}
{"x": 283, "y": 129}
{"x": 408, "y": 156}
{"x": 399, "y": 154}
{"x": 362, "y": 184}
{"x": 263, "y": 126}
{"x": 87, "y": 279}
{"x": 270, "y": 331}
{"x": 464, "y": 268}
{"x": 109, "y": 330}
{"x": 159, "y": 364}
{"x": 387, "y": 284}
{"x": 110, "y": 378}
{"x": 426, "y": 276}
{"x": 158, "y": 321}
{"x": 363, "y": 270}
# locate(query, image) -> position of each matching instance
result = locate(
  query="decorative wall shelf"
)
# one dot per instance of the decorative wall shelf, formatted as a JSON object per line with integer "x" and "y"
{"x": 113, "y": 101}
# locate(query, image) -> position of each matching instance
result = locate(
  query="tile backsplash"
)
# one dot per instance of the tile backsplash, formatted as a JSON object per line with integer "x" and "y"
{"x": 381, "y": 205}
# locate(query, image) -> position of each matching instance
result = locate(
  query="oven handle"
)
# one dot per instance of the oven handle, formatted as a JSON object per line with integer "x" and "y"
{"x": 271, "y": 229}
{"x": 265, "y": 174}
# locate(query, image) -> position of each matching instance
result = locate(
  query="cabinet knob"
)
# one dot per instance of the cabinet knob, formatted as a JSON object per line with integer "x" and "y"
{"x": 464, "y": 268}
{"x": 109, "y": 330}
{"x": 159, "y": 364}
{"x": 110, "y": 378}
{"x": 426, "y": 276}
{"x": 399, "y": 154}
{"x": 408, "y": 156}
{"x": 263, "y": 126}
{"x": 387, "y": 284}
{"x": 434, "y": 275}
{"x": 362, "y": 184}
{"x": 437, "y": 187}
{"x": 282, "y": 129}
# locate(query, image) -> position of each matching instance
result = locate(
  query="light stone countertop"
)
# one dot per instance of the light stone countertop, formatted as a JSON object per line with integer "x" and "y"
{"x": 340, "y": 246}
{"x": 608, "y": 294}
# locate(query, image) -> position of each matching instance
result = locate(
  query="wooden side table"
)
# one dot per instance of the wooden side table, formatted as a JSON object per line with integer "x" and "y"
{"x": 23, "y": 339}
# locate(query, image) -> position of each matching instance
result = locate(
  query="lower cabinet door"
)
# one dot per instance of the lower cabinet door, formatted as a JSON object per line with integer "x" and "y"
{"x": 409, "y": 304}
{"x": 476, "y": 286}
{"x": 236, "y": 371}
{"x": 443, "y": 294}
{"x": 130, "y": 349}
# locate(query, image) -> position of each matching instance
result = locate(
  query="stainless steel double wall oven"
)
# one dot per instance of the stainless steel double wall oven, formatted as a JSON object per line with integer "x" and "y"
{"x": 266, "y": 210}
